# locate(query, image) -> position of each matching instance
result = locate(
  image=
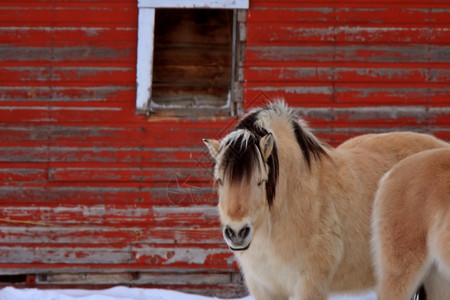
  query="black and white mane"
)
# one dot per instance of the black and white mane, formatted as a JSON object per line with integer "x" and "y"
{"x": 241, "y": 147}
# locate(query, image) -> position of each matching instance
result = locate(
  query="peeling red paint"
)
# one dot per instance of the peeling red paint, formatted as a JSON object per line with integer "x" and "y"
{"x": 87, "y": 186}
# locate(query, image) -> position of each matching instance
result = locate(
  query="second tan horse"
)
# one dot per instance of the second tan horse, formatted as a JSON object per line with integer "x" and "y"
{"x": 297, "y": 213}
{"x": 411, "y": 225}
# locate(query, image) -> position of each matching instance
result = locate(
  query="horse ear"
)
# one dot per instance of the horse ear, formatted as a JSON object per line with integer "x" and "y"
{"x": 213, "y": 147}
{"x": 266, "y": 145}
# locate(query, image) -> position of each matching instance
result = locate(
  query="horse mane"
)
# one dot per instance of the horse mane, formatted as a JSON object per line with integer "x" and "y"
{"x": 242, "y": 152}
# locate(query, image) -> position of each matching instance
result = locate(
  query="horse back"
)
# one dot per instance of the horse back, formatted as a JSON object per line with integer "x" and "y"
{"x": 399, "y": 144}
{"x": 419, "y": 184}
{"x": 358, "y": 165}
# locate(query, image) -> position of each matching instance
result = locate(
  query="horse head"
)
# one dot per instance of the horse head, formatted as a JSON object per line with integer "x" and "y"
{"x": 247, "y": 168}
{"x": 244, "y": 172}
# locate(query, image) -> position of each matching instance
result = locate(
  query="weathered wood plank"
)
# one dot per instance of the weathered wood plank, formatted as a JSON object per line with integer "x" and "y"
{"x": 181, "y": 214}
{"x": 183, "y": 257}
{"x": 50, "y": 36}
{"x": 337, "y": 13}
{"x": 64, "y": 93}
{"x": 23, "y": 172}
{"x": 60, "y": 76}
{"x": 383, "y": 73}
{"x": 190, "y": 258}
{"x": 24, "y": 154}
{"x": 352, "y": 53}
{"x": 282, "y": 33}
{"x": 167, "y": 135}
{"x": 123, "y": 154}
{"x": 23, "y": 135}
{"x": 136, "y": 194}
{"x": 181, "y": 177}
{"x": 163, "y": 135}
{"x": 372, "y": 112}
{"x": 429, "y": 95}
{"x": 357, "y": 95}
{"x": 82, "y": 14}
{"x": 385, "y": 116}
{"x": 17, "y": 233}
{"x": 103, "y": 235}
{"x": 25, "y": 112}
{"x": 311, "y": 95}
{"x": 99, "y": 112}
{"x": 220, "y": 283}
{"x": 346, "y": 3}
{"x": 351, "y": 95}
{"x": 53, "y": 255}
{"x": 122, "y": 53}
{"x": 138, "y": 278}
{"x": 43, "y": 269}
{"x": 64, "y": 111}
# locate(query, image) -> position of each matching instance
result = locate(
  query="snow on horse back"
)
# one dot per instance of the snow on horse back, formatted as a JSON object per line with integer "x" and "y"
{"x": 296, "y": 212}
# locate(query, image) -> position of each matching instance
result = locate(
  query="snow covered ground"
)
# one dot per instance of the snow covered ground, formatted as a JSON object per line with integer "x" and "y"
{"x": 120, "y": 293}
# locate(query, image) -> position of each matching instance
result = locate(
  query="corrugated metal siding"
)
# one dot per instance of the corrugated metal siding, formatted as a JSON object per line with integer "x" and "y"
{"x": 93, "y": 195}
{"x": 353, "y": 66}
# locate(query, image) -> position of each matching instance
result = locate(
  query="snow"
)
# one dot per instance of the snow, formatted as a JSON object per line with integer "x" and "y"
{"x": 121, "y": 293}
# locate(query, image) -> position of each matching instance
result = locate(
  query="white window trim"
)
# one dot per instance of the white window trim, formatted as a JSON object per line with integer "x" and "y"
{"x": 146, "y": 25}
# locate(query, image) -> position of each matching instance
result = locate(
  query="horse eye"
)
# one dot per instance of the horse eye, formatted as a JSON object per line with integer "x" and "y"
{"x": 261, "y": 182}
{"x": 219, "y": 180}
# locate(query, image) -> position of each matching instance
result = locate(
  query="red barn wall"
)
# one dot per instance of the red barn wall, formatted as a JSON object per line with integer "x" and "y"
{"x": 353, "y": 66}
{"x": 92, "y": 195}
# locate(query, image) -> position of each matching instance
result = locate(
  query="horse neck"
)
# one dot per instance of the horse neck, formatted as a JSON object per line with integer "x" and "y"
{"x": 295, "y": 177}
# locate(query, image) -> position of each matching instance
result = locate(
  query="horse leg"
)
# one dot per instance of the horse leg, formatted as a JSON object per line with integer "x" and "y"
{"x": 437, "y": 286}
{"x": 259, "y": 292}
{"x": 320, "y": 266}
{"x": 440, "y": 244}
{"x": 402, "y": 265}
{"x": 393, "y": 285}
{"x": 311, "y": 289}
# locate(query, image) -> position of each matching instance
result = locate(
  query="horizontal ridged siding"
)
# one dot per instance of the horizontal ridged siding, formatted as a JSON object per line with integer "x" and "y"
{"x": 89, "y": 191}
{"x": 353, "y": 66}
{"x": 93, "y": 195}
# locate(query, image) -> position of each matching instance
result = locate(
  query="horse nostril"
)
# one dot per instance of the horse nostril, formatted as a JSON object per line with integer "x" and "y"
{"x": 244, "y": 232}
{"x": 229, "y": 233}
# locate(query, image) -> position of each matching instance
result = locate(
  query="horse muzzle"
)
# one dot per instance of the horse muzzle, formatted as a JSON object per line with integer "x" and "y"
{"x": 239, "y": 249}
{"x": 238, "y": 240}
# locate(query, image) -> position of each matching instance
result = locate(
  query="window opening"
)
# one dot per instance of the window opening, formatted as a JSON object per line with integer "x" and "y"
{"x": 192, "y": 60}
{"x": 182, "y": 84}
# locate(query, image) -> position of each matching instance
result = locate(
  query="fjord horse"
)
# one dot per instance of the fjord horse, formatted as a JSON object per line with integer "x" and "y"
{"x": 411, "y": 227}
{"x": 296, "y": 212}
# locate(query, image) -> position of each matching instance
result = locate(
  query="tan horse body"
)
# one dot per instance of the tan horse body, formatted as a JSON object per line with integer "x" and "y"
{"x": 411, "y": 224}
{"x": 313, "y": 238}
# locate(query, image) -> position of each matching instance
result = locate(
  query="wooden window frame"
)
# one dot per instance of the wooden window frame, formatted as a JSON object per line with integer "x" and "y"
{"x": 145, "y": 46}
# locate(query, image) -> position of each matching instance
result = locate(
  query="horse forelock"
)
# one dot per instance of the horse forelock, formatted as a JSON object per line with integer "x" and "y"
{"x": 241, "y": 154}
{"x": 240, "y": 149}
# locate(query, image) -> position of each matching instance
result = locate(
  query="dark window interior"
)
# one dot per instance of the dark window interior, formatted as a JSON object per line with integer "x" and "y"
{"x": 192, "y": 57}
